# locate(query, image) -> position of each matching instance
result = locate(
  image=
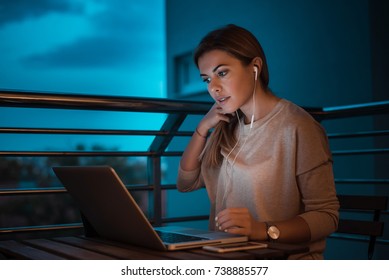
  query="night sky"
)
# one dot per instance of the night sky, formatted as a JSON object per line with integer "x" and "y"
{"x": 104, "y": 47}
{"x": 90, "y": 46}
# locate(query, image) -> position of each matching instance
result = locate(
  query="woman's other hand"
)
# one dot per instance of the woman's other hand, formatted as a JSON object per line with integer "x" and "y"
{"x": 240, "y": 221}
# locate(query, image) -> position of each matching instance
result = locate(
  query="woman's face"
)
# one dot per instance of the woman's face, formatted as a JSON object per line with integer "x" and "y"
{"x": 230, "y": 83}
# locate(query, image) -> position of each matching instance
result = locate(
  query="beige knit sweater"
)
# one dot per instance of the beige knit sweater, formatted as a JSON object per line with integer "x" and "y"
{"x": 283, "y": 169}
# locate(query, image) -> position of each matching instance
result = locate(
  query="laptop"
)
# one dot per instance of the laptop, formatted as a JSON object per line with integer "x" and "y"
{"x": 110, "y": 209}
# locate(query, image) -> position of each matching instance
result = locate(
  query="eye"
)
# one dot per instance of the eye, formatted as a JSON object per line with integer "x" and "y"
{"x": 207, "y": 80}
{"x": 222, "y": 73}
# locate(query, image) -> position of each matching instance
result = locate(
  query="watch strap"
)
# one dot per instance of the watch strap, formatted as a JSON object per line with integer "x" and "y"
{"x": 267, "y": 231}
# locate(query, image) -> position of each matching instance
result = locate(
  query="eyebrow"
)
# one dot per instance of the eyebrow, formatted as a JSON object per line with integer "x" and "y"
{"x": 214, "y": 69}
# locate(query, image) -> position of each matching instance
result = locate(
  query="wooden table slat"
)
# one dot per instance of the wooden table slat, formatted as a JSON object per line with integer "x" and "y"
{"x": 107, "y": 249}
{"x": 22, "y": 251}
{"x": 86, "y": 248}
{"x": 66, "y": 251}
{"x": 176, "y": 255}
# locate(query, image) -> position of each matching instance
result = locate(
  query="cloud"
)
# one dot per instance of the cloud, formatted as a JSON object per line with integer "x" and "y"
{"x": 122, "y": 36}
{"x": 122, "y": 16}
{"x": 19, "y": 10}
{"x": 95, "y": 52}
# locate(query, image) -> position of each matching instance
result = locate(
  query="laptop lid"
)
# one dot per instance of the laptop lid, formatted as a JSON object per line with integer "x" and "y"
{"x": 109, "y": 207}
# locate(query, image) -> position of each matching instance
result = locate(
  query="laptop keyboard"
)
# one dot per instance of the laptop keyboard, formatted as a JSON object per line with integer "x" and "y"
{"x": 171, "y": 237}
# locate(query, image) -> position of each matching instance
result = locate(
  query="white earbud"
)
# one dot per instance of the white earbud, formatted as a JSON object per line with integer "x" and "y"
{"x": 256, "y": 72}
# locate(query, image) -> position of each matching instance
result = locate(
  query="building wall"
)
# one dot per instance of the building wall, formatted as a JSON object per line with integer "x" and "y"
{"x": 318, "y": 51}
{"x": 379, "y": 26}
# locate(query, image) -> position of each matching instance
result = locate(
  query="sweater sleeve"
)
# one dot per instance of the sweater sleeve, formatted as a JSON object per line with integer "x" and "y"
{"x": 316, "y": 180}
{"x": 189, "y": 180}
{"x": 320, "y": 201}
{"x": 312, "y": 146}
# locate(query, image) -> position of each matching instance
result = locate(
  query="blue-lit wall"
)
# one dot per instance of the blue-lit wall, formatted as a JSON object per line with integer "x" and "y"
{"x": 318, "y": 52}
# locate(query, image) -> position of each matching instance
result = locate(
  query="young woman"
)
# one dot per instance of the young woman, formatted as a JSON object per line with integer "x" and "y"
{"x": 266, "y": 165}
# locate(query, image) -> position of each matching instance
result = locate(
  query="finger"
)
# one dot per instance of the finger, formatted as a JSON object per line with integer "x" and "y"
{"x": 222, "y": 213}
{"x": 221, "y": 219}
{"x": 229, "y": 211}
{"x": 226, "y": 225}
{"x": 236, "y": 230}
{"x": 219, "y": 110}
{"x": 232, "y": 220}
{"x": 228, "y": 214}
{"x": 224, "y": 118}
{"x": 216, "y": 106}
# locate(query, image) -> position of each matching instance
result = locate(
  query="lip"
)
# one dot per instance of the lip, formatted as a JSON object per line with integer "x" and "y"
{"x": 223, "y": 99}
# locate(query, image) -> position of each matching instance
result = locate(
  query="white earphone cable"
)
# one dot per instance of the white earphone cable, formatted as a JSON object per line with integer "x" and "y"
{"x": 229, "y": 174}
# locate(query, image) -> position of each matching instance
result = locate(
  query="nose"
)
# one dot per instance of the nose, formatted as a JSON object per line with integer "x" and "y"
{"x": 214, "y": 86}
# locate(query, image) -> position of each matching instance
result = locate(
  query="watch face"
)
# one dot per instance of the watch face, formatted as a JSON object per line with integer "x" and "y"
{"x": 273, "y": 232}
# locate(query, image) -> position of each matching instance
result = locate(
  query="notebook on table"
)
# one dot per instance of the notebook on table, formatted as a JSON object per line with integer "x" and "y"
{"x": 109, "y": 207}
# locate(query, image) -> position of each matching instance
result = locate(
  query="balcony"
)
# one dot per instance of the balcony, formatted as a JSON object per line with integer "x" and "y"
{"x": 155, "y": 161}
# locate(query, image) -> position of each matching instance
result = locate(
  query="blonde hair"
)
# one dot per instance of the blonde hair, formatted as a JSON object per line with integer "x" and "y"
{"x": 243, "y": 45}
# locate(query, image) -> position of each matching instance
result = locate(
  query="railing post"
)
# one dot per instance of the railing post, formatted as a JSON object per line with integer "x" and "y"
{"x": 158, "y": 147}
{"x": 155, "y": 198}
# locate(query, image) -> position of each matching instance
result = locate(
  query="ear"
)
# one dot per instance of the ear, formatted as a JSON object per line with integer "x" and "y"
{"x": 257, "y": 61}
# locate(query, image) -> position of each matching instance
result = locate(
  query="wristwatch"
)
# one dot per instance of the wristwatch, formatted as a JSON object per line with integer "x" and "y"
{"x": 273, "y": 233}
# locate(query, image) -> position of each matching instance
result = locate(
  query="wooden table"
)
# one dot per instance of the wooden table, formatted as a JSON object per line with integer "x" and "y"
{"x": 86, "y": 248}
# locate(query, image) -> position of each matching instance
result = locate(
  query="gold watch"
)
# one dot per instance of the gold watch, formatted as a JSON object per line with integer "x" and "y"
{"x": 273, "y": 233}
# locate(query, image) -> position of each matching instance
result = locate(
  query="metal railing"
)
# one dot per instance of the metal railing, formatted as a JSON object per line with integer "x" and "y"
{"x": 177, "y": 111}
